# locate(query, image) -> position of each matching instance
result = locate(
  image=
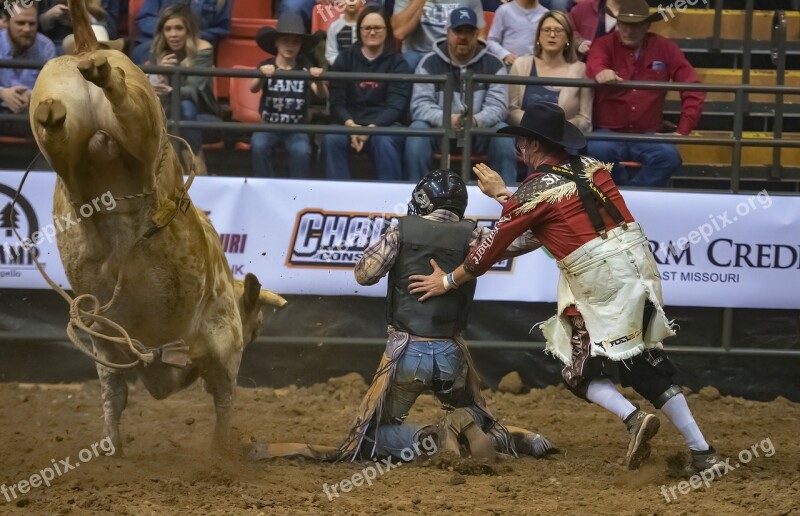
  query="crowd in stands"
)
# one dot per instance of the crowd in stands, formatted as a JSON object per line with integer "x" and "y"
{"x": 605, "y": 40}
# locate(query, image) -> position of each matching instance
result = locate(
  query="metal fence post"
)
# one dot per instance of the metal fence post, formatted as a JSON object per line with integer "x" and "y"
{"x": 175, "y": 101}
{"x": 779, "y": 60}
{"x": 738, "y": 123}
{"x": 716, "y": 39}
{"x": 467, "y": 85}
{"x": 444, "y": 146}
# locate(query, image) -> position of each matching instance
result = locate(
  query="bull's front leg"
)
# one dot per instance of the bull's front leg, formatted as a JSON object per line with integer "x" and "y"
{"x": 114, "y": 393}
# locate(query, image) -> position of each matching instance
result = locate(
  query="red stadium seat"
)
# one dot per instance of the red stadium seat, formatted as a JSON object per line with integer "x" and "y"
{"x": 252, "y": 9}
{"x": 232, "y": 52}
{"x": 244, "y": 103}
{"x": 322, "y": 16}
{"x": 134, "y": 6}
{"x": 248, "y": 28}
{"x": 488, "y": 19}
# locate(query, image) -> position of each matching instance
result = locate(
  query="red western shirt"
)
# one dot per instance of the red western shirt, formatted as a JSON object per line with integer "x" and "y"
{"x": 641, "y": 111}
{"x": 561, "y": 227}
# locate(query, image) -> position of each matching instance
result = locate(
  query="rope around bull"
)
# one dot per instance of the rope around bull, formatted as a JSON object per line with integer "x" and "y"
{"x": 80, "y": 318}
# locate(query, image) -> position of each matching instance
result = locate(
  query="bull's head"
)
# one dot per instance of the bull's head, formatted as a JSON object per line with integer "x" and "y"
{"x": 251, "y": 298}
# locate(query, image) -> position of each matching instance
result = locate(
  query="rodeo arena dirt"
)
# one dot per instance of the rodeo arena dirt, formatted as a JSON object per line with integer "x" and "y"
{"x": 154, "y": 401}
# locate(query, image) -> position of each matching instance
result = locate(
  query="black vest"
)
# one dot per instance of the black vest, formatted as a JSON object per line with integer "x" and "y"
{"x": 420, "y": 240}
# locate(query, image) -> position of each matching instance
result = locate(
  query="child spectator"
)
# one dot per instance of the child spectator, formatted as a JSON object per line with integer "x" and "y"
{"x": 55, "y": 23}
{"x": 513, "y": 30}
{"x": 342, "y": 32}
{"x": 284, "y": 101}
{"x": 592, "y": 19}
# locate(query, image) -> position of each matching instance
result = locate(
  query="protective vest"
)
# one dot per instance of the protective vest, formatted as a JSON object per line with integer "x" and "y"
{"x": 420, "y": 241}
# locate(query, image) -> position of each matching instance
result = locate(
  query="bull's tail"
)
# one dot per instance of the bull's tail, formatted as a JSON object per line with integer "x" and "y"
{"x": 85, "y": 40}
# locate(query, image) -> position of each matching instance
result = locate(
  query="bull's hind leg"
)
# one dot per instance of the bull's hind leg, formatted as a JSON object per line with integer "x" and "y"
{"x": 132, "y": 108}
{"x": 114, "y": 392}
{"x": 221, "y": 385}
{"x": 51, "y": 114}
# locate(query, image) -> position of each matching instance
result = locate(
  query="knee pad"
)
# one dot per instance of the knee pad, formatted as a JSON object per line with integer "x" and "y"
{"x": 667, "y": 395}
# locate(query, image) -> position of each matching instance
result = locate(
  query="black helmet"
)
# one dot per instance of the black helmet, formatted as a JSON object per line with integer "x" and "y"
{"x": 439, "y": 189}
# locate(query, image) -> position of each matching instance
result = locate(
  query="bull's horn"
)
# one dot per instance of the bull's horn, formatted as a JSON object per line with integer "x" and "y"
{"x": 267, "y": 297}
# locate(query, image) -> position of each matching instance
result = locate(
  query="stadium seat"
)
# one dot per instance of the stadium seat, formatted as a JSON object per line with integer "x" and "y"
{"x": 322, "y": 16}
{"x": 249, "y": 27}
{"x": 751, "y": 156}
{"x": 488, "y": 19}
{"x": 244, "y": 103}
{"x": 757, "y": 77}
{"x": 134, "y": 6}
{"x": 250, "y": 9}
{"x": 232, "y": 52}
{"x": 699, "y": 23}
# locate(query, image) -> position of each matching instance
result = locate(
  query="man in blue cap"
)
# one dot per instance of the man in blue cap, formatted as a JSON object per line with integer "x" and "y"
{"x": 459, "y": 52}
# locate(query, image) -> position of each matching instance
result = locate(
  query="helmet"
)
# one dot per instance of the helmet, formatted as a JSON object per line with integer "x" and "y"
{"x": 439, "y": 189}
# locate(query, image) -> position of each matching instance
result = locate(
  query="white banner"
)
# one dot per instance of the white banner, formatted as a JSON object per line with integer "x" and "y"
{"x": 303, "y": 237}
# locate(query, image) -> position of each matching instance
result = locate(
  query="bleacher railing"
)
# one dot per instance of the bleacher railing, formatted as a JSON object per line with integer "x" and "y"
{"x": 447, "y": 133}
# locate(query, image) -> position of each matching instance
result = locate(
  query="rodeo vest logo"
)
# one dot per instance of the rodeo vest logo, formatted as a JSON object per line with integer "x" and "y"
{"x": 15, "y": 257}
{"x": 334, "y": 240}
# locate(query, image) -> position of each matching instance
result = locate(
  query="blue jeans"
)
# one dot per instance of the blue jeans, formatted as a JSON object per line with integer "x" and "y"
{"x": 194, "y": 137}
{"x": 660, "y": 161}
{"x": 386, "y": 152}
{"x": 438, "y": 366}
{"x": 419, "y": 149}
{"x": 558, "y": 5}
{"x": 298, "y": 145}
{"x": 302, "y": 7}
{"x": 413, "y": 58}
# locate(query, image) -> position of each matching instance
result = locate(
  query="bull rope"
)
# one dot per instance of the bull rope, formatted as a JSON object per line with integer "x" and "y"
{"x": 80, "y": 318}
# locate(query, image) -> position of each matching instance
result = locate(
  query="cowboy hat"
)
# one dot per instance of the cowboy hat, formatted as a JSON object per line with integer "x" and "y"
{"x": 635, "y": 11}
{"x": 546, "y": 121}
{"x": 289, "y": 24}
{"x": 101, "y": 34}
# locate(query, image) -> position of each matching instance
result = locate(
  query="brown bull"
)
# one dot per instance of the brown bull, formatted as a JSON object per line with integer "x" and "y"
{"x": 155, "y": 257}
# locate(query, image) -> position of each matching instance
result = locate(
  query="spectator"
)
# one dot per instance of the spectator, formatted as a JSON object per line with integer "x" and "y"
{"x": 634, "y": 54}
{"x": 592, "y": 19}
{"x": 369, "y": 103}
{"x": 554, "y": 56}
{"x": 491, "y": 6}
{"x": 112, "y": 9}
{"x": 20, "y": 41}
{"x": 214, "y": 17}
{"x": 56, "y": 24}
{"x": 459, "y": 52}
{"x": 342, "y": 32}
{"x": 422, "y": 23}
{"x": 284, "y": 101}
{"x": 177, "y": 43}
{"x": 514, "y": 29}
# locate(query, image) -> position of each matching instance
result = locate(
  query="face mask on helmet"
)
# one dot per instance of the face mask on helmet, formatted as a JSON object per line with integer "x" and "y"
{"x": 439, "y": 189}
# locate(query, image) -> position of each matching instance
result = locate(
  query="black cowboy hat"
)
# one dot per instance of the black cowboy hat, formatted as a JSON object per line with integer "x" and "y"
{"x": 635, "y": 11}
{"x": 289, "y": 24}
{"x": 546, "y": 121}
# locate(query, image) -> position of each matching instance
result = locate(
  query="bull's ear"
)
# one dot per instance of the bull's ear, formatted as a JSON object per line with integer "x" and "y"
{"x": 252, "y": 289}
{"x": 268, "y": 297}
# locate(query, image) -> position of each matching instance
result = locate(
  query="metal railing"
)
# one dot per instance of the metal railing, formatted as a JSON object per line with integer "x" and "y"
{"x": 447, "y": 133}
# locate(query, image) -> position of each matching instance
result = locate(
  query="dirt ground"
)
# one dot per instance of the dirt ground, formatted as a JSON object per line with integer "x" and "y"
{"x": 170, "y": 468}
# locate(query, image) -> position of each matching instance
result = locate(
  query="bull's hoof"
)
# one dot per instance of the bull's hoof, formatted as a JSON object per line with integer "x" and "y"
{"x": 51, "y": 114}
{"x": 95, "y": 70}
